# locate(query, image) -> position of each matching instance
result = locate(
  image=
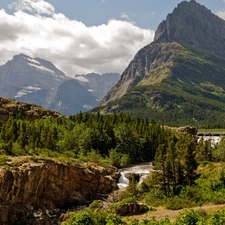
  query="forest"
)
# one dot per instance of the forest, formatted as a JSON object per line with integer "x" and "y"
{"x": 186, "y": 173}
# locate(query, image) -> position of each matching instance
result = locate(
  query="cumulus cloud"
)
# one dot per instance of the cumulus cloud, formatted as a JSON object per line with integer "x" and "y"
{"x": 221, "y": 13}
{"x": 36, "y": 6}
{"x": 71, "y": 45}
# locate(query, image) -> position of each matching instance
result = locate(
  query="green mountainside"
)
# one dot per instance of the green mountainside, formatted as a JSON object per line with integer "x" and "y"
{"x": 173, "y": 80}
{"x": 190, "y": 89}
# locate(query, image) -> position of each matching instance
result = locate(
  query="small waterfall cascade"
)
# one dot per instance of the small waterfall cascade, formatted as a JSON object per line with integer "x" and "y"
{"x": 142, "y": 170}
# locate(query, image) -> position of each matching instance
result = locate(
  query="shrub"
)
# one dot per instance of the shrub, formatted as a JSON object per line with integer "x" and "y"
{"x": 188, "y": 217}
{"x": 218, "y": 218}
{"x": 114, "y": 220}
{"x": 80, "y": 218}
{"x": 155, "y": 197}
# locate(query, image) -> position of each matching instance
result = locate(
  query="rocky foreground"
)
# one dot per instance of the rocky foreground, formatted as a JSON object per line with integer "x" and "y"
{"x": 39, "y": 193}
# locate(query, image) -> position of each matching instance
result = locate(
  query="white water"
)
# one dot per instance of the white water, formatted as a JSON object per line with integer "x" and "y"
{"x": 214, "y": 139}
{"x": 141, "y": 170}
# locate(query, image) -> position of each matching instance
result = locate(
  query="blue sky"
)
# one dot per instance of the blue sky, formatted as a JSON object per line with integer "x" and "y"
{"x": 146, "y": 13}
{"x": 81, "y": 36}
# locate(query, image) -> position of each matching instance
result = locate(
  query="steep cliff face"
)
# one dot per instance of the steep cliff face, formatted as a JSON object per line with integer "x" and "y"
{"x": 49, "y": 185}
{"x": 193, "y": 24}
{"x": 144, "y": 68}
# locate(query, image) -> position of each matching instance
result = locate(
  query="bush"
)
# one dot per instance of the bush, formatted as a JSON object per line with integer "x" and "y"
{"x": 218, "y": 218}
{"x": 155, "y": 198}
{"x": 175, "y": 203}
{"x": 114, "y": 220}
{"x": 3, "y": 160}
{"x": 189, "y": 217}
{"x": 80, "y": 218}
{"x": 94, "y": 205}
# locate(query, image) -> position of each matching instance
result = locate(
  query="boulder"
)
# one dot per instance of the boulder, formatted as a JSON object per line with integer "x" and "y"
{"x": 132, "y": 209}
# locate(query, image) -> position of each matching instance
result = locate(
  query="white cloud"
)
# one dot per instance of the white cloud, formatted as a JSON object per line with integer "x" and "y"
{"x": 36, "y": 6}
{"x": 124, "y": 16}
{"x": 71, "y": 45}
{"x": 221, "y": 13}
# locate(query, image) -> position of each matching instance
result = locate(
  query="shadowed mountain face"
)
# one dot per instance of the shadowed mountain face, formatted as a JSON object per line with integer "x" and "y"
{"x": 98, "y": 85}
{"x": 37, "y": 81}
{"x": 179, "y": 78}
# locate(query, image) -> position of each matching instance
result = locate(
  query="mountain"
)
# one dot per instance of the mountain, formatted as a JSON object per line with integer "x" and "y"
{"x": 23, "y": 75}
{"x": 37, "y": 81}
{"x": 69, "y": 98}
{"x": 178, "y": 79}
{"x": 99, "y": 85}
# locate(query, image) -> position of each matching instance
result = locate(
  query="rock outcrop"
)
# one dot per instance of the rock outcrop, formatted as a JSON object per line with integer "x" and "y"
{"x": 37, "y": 190}
{"x": 132, "y": 209}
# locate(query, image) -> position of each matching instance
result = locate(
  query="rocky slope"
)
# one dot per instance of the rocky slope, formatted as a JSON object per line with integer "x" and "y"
{"x": 98, "y": 85}
{"x": 34, "y": 193}
{"x": 179, "y": 75}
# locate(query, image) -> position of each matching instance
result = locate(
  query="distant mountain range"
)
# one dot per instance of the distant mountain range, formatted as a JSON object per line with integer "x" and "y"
{"x": 37, "y": 81}
{"x": 178, "y": 79}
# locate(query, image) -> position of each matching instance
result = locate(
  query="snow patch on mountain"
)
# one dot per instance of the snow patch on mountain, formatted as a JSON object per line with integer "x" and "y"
{"x": 33, "y": 61}
{"x": 82, "y": 79}
{"x": 42, "y": 68}
{"x": 87, "y": 107}
{"x": 26, "y": 90}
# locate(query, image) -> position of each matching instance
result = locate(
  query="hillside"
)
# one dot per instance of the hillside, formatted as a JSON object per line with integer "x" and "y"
{"x": 179, "y": 78}
{"x": 11, "y": 108}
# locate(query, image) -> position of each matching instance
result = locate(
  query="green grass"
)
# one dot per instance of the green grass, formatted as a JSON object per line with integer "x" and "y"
{"x": 211, "y": 130}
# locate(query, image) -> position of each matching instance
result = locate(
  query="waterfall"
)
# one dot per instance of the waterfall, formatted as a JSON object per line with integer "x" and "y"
{"x": 123, "y": 181}
{"x": 142, "y": 170}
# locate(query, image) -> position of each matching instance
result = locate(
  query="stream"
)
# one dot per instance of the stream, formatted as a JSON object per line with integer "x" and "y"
{"x": 142, "y": 170}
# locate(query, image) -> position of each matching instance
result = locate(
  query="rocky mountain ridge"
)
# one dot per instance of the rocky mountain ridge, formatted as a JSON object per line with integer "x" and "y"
{"x": 195, "y": 25}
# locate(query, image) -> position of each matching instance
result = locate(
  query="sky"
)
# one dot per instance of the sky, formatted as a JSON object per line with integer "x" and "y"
{"x": 84, "y": 36}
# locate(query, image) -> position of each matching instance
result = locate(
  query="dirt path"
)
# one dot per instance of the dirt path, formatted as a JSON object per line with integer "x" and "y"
{"x": 161, "y": 212}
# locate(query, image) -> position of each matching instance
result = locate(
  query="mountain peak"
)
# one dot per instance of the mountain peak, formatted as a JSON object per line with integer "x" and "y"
{"x": 25, "y": 63}
{"x": 193, "y": 24}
